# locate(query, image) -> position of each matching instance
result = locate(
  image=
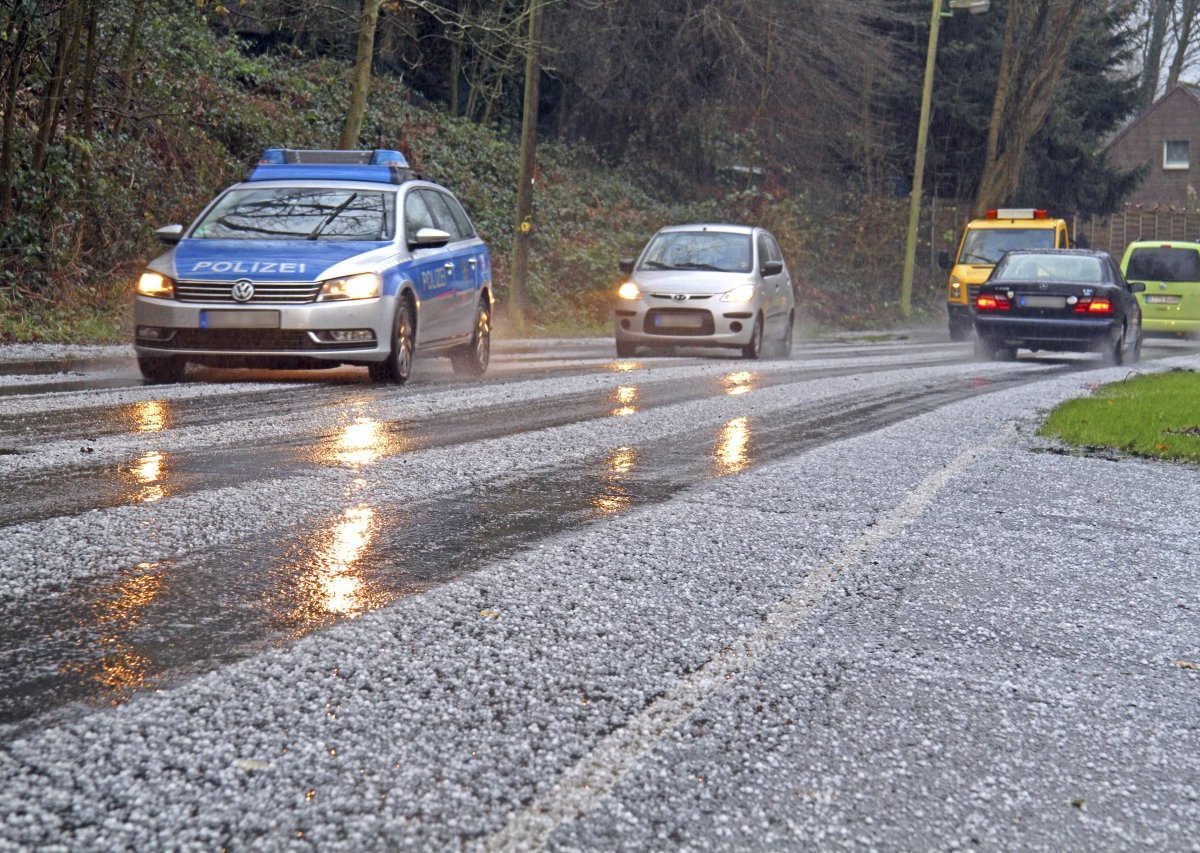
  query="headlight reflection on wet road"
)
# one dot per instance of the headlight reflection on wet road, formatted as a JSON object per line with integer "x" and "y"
{"x": 120, "y": 669}
{"x": 615, "y": 496}
{"x": 626, "y": 399}
{"x": 331, "y": 582}
{"x": 732, "y": 451}
{"x": 739, "y": 382}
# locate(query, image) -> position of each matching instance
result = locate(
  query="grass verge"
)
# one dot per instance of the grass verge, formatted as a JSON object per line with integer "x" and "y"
{"x": 1152, "y": 415}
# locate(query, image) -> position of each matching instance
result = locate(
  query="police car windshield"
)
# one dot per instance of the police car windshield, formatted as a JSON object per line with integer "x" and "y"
{"x": 698, "y": 250}
{"x": 300, "y": 213}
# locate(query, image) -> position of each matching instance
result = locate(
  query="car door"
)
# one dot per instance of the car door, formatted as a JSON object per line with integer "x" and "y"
{"x": 431, "y": 267}
{"x": 775, "y": 296}
{"x": 462, "y": 261}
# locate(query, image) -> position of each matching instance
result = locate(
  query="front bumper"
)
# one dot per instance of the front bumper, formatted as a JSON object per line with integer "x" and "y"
{"x": 730, "y": 325}
{"x": 227, "y": 334}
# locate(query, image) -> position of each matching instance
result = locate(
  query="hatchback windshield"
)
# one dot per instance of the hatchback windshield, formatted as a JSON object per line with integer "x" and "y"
{"x": 300, "y": 213}
{"x": 1163, "y": 263}
{"x": 698, "y": 250}
{"x": 1075, "y": 268}
{"x": 988, "y": 245}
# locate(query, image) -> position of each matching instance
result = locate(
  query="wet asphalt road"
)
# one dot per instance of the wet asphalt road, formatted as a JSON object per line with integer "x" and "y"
{"x": 163, "y": 540}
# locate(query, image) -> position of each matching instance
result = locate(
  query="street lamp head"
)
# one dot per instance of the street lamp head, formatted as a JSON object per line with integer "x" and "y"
{"x": 975, "y": 7}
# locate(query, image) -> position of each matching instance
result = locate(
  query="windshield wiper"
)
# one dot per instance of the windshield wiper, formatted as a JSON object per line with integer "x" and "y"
{"x": 658, "y": 265}
{"x": 699, "y": 267}
{"x": 333, "y": 214}
{"x": 983, "y": 258}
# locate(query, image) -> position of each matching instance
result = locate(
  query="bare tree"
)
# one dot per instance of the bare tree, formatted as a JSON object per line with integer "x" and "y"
{"x": 1038, "y": 36}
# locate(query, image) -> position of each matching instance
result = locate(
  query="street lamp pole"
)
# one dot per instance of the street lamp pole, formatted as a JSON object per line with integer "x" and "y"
{"x": 914, "y": 206}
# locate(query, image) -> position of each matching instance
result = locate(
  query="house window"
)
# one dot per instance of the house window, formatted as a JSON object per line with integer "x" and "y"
{"x": 1175, "y": 154}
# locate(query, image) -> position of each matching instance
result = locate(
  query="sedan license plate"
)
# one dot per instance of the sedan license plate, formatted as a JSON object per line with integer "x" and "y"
{"x": 678, "y": 321}
{"x": 1037, "y": 300}
{"x": 1157, "y": 299}
{"x": 239, "y": 319}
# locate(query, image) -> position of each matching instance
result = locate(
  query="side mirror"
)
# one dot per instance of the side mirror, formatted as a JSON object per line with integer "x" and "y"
{"x": 1137, "y": 286}
{"x": 429, "y": 238}
{"x": 169, "y": 234}
{"x": 943, "y": 261}
{"x": 772, "y": 268}
{"x": 626, "y": 266}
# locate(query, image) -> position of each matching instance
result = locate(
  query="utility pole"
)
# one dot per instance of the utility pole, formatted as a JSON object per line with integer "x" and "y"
{"x": 914, "y": 206}
{"x": 528, "y": 154}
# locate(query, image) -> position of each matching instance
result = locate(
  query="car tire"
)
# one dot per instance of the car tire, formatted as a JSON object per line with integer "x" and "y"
{"x": 1135, "y": 352}
{"x": 753, "y": 349}
{"x": 472, "y": 359}
{"x": 161, "y": 369}
{"x": 985, "y": 348}
{"x": 784, "y": 349}
{"x": 1114, "y": 353}
{"x": 1004, "y": 353}
{"x": 397, "y": 367}
{"x": 626, "y": 349}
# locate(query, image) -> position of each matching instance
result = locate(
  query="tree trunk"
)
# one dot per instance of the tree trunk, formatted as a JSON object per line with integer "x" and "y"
{"x": 52, "y": 100}
{"x": 361, "y": 81}
{"x": 528, "y": 155}
{"x": 1187, "y": 21}
{"x": 16, "y": 43}
{"x": 1160, "y": 11}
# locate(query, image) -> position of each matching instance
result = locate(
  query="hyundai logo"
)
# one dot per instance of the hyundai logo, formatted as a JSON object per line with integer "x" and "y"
{"x": 679, "y": 297}
{"x": 243, "y": 290}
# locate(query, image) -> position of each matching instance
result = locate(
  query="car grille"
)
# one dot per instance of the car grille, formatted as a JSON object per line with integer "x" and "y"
{"x": 265, "y": 292}
{"x": 669, "y": 322}
{"x": 242, "y": 340}
{"x": 680, "y": 297}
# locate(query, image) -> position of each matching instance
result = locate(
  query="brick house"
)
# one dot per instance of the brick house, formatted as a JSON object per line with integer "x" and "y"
{"x": 1166, "y": 137}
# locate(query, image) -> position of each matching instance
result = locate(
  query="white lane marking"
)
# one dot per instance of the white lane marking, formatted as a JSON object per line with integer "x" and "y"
{"x": 594, "y": 777}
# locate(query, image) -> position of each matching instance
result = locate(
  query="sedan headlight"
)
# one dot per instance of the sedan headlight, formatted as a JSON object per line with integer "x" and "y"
{"x": 629, "y": 290}
{"x": 365, "y": 285}
{"x": 743, "y": 293}
{"x": 155, "y": 284}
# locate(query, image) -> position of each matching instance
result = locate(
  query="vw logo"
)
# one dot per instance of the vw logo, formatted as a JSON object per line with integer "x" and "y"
{"x": 243, "y": 290}
{"x": 679, "y": 297}
{"x": 1162, "y": 285}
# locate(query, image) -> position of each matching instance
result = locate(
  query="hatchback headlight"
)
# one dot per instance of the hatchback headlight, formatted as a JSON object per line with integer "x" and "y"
{"x": 365, "y": 285}
{"x": 629, "y": 290}
{"x": 155, "y": 284}
{"x": 739, "y": 294}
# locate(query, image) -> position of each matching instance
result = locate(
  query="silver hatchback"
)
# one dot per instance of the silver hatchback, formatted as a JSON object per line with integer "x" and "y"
{"x": 706, "y": 285}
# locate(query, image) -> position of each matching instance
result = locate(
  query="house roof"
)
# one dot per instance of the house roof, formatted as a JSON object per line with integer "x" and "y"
{"x": 1189, "y": 90}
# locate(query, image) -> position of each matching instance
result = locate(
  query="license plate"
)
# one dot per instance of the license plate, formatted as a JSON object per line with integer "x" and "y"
{"x": 239, "y": 319}
{"x": 678, "y": 321}
{"x": 1156, "y": 299}
{"x": 1037, "y": 300}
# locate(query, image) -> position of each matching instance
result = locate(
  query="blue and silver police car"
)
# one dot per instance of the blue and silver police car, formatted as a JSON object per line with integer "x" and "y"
{"x": 319, "y": 258}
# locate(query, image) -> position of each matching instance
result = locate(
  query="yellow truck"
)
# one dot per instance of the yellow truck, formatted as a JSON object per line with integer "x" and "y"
{"x": 984, "y": 242}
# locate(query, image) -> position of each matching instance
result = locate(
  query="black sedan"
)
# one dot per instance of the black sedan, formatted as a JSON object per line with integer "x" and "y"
{"x": 1060, "y": 300}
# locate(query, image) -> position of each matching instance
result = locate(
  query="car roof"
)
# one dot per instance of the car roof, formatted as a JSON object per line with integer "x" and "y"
{"x": 1163, "y": 244}
{"x": 1084, "y": 253}
{"x": 709, "y": 226}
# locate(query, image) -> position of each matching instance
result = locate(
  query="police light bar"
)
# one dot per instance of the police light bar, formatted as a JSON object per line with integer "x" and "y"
{"x": 385, "y": 165}
{"x": 1017, "y": 213}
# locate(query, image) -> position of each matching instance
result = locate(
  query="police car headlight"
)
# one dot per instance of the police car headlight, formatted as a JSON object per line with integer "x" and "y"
{"x": 629, "y": 290}
{"x": 365, "y": 285}
{"x": 155, "y": 284}
{"x": 739, "y": 294}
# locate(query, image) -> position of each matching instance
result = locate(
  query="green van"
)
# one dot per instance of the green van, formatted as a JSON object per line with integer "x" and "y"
{"x": 1170, "y": 269}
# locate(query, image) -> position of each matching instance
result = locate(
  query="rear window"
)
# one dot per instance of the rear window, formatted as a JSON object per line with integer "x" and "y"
{"x": 1081, "y": 269}
{"x": 1163, "y": 263}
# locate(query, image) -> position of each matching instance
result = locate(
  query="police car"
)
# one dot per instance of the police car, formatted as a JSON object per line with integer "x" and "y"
{"x": 319, "y": 258}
